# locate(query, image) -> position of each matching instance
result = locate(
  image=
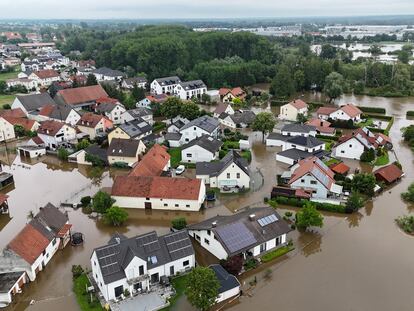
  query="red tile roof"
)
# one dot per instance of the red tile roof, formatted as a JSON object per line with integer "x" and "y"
{"x": 110, "y": 100}
{"x": 389, "y": 173}
{"x": 82, "y": 95}
{"x": 152, "y": 163}
{"x": 340, "y": 168}
{"x": 29, "y": 244}
{"x": 90, "y": 119}
{"x": 298, "y": 104}
{"x": 318, "y": 122}
{"x": 14, "y": 113}
{"x": 351, "y": 110}
{"x": 46, "y": 110}
{"x": 37, "y": 140}
{"x": 26, "y": 123}
{"x": 50, "y": 127}
{"x": 236, "y": 92}
{"x": 307, "y": 166}
{"x": 157, "y": 187}
{"x": 326, "y": 111}
{"x": 47, "y": 73}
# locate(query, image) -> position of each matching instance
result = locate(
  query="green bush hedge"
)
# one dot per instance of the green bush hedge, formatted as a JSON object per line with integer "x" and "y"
{"x": 410, "y": 113}
{"x": 276, "y": 253}
{"x": 325, "y": 137}
{"x": 372, "y": 109}
{"x": 300, "y": 202}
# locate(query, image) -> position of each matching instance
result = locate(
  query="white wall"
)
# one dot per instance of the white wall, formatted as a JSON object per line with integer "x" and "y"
{"x": 194, "y": 154}
{"x": 309, "y": 182}
{"x": 214, "y": 246}
{"x": 228, "y": 294}
{"x": 6, "y": 130}
{"x": 350, "y": 149}
{"x": 194, "y": 132}
{"x": 242, "y": 181}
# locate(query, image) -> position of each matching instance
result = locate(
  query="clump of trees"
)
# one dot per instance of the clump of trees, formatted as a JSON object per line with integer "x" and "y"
{"x": 308, "y": 216}
{"x": 202, "y": 288}
{"x": 409, "y": 194}
{"x": 179, "y": 223}
{"x": 174, "y": 106}
{"x": 406, "y": 223}
{"x": 103, "y": 203}
{"x": 264, "y": 122}
{"x": 355, "y": 202}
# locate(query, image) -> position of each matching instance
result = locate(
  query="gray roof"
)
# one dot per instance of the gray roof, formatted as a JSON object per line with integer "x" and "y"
{"x": 139, "y": 112}
{"x": 172, "y": 136}
{"x": 36, "y": 101}
{"x": 97, "y": 151}
{"x": 49, "y": 221}
{"x": 239, "y": 232}
{"x": 296, "y": 154}
{"x": 309, "y": 141}
{"x": 206, "y": 123}
{"x": 168, "y": 80}
{"x": 8, "y": 279}
{"x": 61, "y": 112}
{"x": 298, "y": 128}
{"x": 115, "y": 257}
{"x": 215, "y": 168}
{"x": 243, "y": 117}
{"x": 227, "y": 281}
{"x": 106, "y": 107}
{"x": 278, "y": 136}
{"x": 109, "y": 72}
{"x": 206, "y": 142}
{"x": 192, "y": 85}
{"x": 123, "y": 147}
{"x": 136, "y": 127}
{"x": 135, "y": 80}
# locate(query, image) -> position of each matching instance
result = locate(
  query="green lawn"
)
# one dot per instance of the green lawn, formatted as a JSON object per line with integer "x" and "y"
{"x": 83, "y": 298}
{"x": 277, "y": 253}
{"x": 8, "y": 75}
{"x": 175, "y": 154}
{"x": 331, "y": 161}
{"x": 6, "y": 99}
{"x": 382, "y": 160}
{"x": 179, "y": 283}
{"x": 367, "y": 122}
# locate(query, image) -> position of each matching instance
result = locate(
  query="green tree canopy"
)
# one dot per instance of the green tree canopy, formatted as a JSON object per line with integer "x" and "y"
{"x": 91, "y": 80}
{"x": 190, "y": 110}
{"x": 355, "y": 202}
{"x": 202, "y": 288}
{"x": 308, "y": 216}
{"x": 364, "y": 183}
{"x": 334, "y": 85}
{"x": 282, "y": 84}
{"x": 101, "y": 202}
{"x": 115, "y": 216}
{"x": 138, "y": 93}
{"x": 171, "y": 107}
{"x": 409, "y": 194}
{"x": 264, "y": 122}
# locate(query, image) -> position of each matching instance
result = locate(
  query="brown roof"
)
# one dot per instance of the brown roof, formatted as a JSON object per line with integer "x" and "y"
{"x": 221, "y": 107}
{"x": 29, "y": 244}
{"x": 26, "y": 123}
{"x": 82, "y": 95}
{"x": 326, "y": 110}
{"x": 152, "y": 163}
{"x": 37, "y": 140}
{"x": 46, "y": 110}
{"x": 236, "y": 92}
{"x": 47, "y": 73}
{"x": 340, "y": 168}
{"x": 298, "y": 104}
{"x": 351, "y": 110}
{"x": 157, "y": 187}
{"x": 50, "y": 127}
{"x": 389, "y": 173}
{"x": 64, "y": 230}
{"x": 312, "y": 166}
{"x": 90, "y": 119}
{"x": 14, "y": 113}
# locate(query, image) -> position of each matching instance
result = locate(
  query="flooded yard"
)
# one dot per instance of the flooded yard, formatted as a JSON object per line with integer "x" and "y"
{"x": 355, "y": 262}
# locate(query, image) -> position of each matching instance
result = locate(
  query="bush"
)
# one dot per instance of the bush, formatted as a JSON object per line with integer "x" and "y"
{"x": 372, "y": 109}
{"x": 120, "y": 165}
{"x": 101, "y": 202}
{"x": 115, "y": 216}
{"x": 368, "y": 155}
{"x": 354, "y": 203}
{"x": 406, "y": 223}
{"x": 86, "y": 201}
{"x": 288, "y": 214}
{"x": 296, "y": 202}
{"x": 62, "y": 154}
{"x": 77, "y": 271}
{"x": 179, "y": 223}
{"x": 409, "y": 195}
{"x": 95, "y": 160}
{"x": 308, "y": 216}
{"x": 276, "y": 253}
{"x": 84, "y": 143}
{"x": 250, "y": 264}
{"x": 233, "y": 265}
{"x": 410, "y": 113}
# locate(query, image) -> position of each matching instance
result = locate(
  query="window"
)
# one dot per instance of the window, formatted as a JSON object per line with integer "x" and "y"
{"x": 54, "y": 242}
{"x": 350, "y": 145}
{"x": 94, "y": 263}
{"x": 187, "y": 205}
{"x": 238, "y": 175}
{"x": 209, "y": 232}
{"x": 165, "y": 204}
{"x": 141, "y": 270}
{"x": 228, "y": 175}
{"x": 147, "y": 199}
{"x": 313, "y": 182}
{"x": 207, "y": 241}
{"x": 302, "y": 180}
{"x": 189, "y": 155}
{"x": 263, "y": 247}
{"x": 186, "y": 263}
{"x": 176, "y": 205}
{"x": 342, "y": 151}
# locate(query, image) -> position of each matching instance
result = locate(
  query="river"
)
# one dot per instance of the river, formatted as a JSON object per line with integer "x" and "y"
{"x": 355, "y": 262}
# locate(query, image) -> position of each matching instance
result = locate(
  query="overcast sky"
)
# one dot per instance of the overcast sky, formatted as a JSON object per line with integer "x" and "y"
{"x": 138, "y": 9}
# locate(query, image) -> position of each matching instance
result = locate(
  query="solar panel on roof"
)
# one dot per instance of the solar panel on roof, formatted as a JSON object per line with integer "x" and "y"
{"x": 267, "y": 220}
{"x": 320, "y": 176}
{"x": 236, "y": 236}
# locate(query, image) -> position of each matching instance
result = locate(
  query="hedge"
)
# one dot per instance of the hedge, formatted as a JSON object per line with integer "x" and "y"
{"x": 372, "y": 109}
{"x": 325, "y": 137}
{"x": 410, "y": 113}
{"x": 276, "y": 253}
{"x": 300, "y": 202}
{"x": 278, "y": 103}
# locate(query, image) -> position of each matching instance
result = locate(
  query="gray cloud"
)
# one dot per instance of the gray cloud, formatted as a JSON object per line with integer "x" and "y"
{"x": 98, "y": 9}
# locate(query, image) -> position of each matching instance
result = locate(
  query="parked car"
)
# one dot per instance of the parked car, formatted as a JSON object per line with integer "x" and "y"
{"x": 180, "y": 169}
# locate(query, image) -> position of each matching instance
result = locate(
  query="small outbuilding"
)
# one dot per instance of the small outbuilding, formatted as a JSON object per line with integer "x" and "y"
{"x": 388, "y": 174}
{"x": 229, "y": 284}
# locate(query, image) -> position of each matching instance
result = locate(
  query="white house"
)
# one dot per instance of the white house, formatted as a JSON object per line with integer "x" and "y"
{"x": 44, "y": 77}
{"x": 93, "y": 124}
{"x": 164, "y": 85}
{"x": 129, "y": 83}
{"x": 252, "y": 232}
{"x": 202, "y": 149}
{"x": 229, "y": 284}
{"x": 27, "y": 83}
{"x": 291, "y": 110}
{"x": 135, "y": 129}
{"x": 63, "y": 113}
{"x": 54, "y": 133}
{"x": 144, "y": 103}
{"x": 125, "y": 151}
{"x": 204, "y": 125}
{"x": 111, "y": 109}
{"x": 190, "y": 89}
{"x": 6, "y": 130}
{"x": 108, "y": 74}
{"x": 344, "y": 113}
{"x": 31, "y": 152}
{"x": 313, "y": 176}
{"x": 137, "y": 264}
{"x": 230, "y": 173}
{"x": 239, "y": 119}
{"x": 223, "y": 108}
{"x": 288, "y": 131}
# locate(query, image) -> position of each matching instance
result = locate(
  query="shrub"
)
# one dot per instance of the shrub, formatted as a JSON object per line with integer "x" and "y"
{"x": 77, "y": 271}
{"x": 101, "y": 202}
{"x": 115, "y": 216}
{"x": 62, "y": 154}
{"x": 354, "y": 203}
{"x": 120, "y": 165}
{"x": 410, "y": 113}
{"x": 84, "y": 143}
{"x": 250, "y": 264}
{"x": 288, "y": 214}
{"x": 368, "y": 155}
{"x": 6, "y": 106}
{"x": 179, "y": 223}
{"x": 406, "y": 223}
{"x": 86, "y": 200}
{"x": 409, "y": 195}
{"x": 276, "y": 253}
{"x": 308, "y": 216}
{"x": 95, "y": 160}
{"x": 372, "y": 109}
{"x": 233, "y": 265}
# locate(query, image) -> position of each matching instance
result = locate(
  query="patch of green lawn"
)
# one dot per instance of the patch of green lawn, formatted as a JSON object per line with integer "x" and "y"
{"x": 8, "y": 75}
{"x": 367, "y": 122}
{"x": 331, "y": 161}
{"x": 382, "y": 160}
{"x": 6, "y": 99}
{"x": 179, "y": 283}
{"x": 175, "y": 154}
{"x": 277, "y": 253}
{"x": 82, "y": 297}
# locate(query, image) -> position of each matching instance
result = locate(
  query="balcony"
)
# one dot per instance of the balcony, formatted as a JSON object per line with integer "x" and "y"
{"x": 137, "y": 279}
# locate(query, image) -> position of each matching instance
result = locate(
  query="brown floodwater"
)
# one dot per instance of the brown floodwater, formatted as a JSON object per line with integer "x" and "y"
{"x": 355, "y": 262}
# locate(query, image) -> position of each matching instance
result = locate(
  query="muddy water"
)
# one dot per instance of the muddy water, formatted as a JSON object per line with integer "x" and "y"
{"x": 357, "y": 262}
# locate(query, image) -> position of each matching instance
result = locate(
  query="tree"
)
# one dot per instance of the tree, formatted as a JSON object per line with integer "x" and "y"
{"x": 328, "y": 51}
{"x": 299, "y": 77}
{"x": 206, "y": 99}
{"x": 368, "y": 155}
{"x": 171, "y": 107}
{"x": 138, "y": 93}
{"x": 282, "y": 84}
{"x": 301, "y": 118}
{"x": 19, "y": 130}
{"x": 364, "y": 183}
{"x": 409, "y": 195}
{"x": 408, "y": 133}
{"x": 354, "y": 203}
{"x": 84, "y": 143}
{"x": 375, "y": 50}
{"x": 101, "y": 202}
{"x": 91, "y": 80}
{"x": 202, "y": 288}
{"x": 404, "y": 56}
{"x": 308, "y": 216}
{"x": 179, "y": 223}
{"x": 62, "y": 154}
{"x": 233, "y": 265}
{"x": 115, "y": 216}
{"x": 334, "y": 85}
{"x": 3, "y": 87}
{"x": 264, "y": 122}
{"x": 190, "y": 110}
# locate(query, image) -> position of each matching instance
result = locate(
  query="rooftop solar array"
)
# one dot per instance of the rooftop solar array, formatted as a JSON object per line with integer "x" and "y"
{"x": 178, "y": 245}
{"x": 267, "y": 220}
{"x": 321, "y": 164}
{"x": 236, "y": 236}
{"x": 321, "y": 176}
{"x": 108, "y": 261}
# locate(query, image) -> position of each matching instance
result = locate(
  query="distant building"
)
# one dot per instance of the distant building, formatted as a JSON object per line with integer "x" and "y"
{"x": 190, "y": 89}
{"x": 125, "y": 151}
{"x": 344, "y": 113}
{"x": 107, "y": 74}
{"x": 135, "y": 129}
{"x": 291, "y": 110}
{"x": 129, "y": 83}
{"x": 81, "y": 97}
{"x": 164, "y": 85}
{"x": 54, "y": 133}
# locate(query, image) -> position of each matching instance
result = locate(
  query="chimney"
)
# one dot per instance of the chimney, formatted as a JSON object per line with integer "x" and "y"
{"x": 118, "y": 240}
{"x": 252, "y": 217}
{"x": 214, "y": 224}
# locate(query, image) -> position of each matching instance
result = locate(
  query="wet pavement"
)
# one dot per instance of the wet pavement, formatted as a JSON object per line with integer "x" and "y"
{"x": 355, "y": 262}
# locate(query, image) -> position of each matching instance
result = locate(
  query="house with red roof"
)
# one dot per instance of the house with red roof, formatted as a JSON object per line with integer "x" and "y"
{"x": 344, "y": 113}
{"x": 291, "y": 110}
{"x": 312, "y": 175}
{"x": 353, "y": 145}
{"x": 227, "y": 95}
{"x": 388, "y": 174}
{"x": 45, "y": 77}
{"x": 54, "y": 133}
{"x": 27, "y": 124}
{"x": 111, "y": 108}
{"x": 39, "y": 240}
{"x": 80, "y": 97}
{"x": 93, "y": 124}
{"x": 323, "y": 127}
